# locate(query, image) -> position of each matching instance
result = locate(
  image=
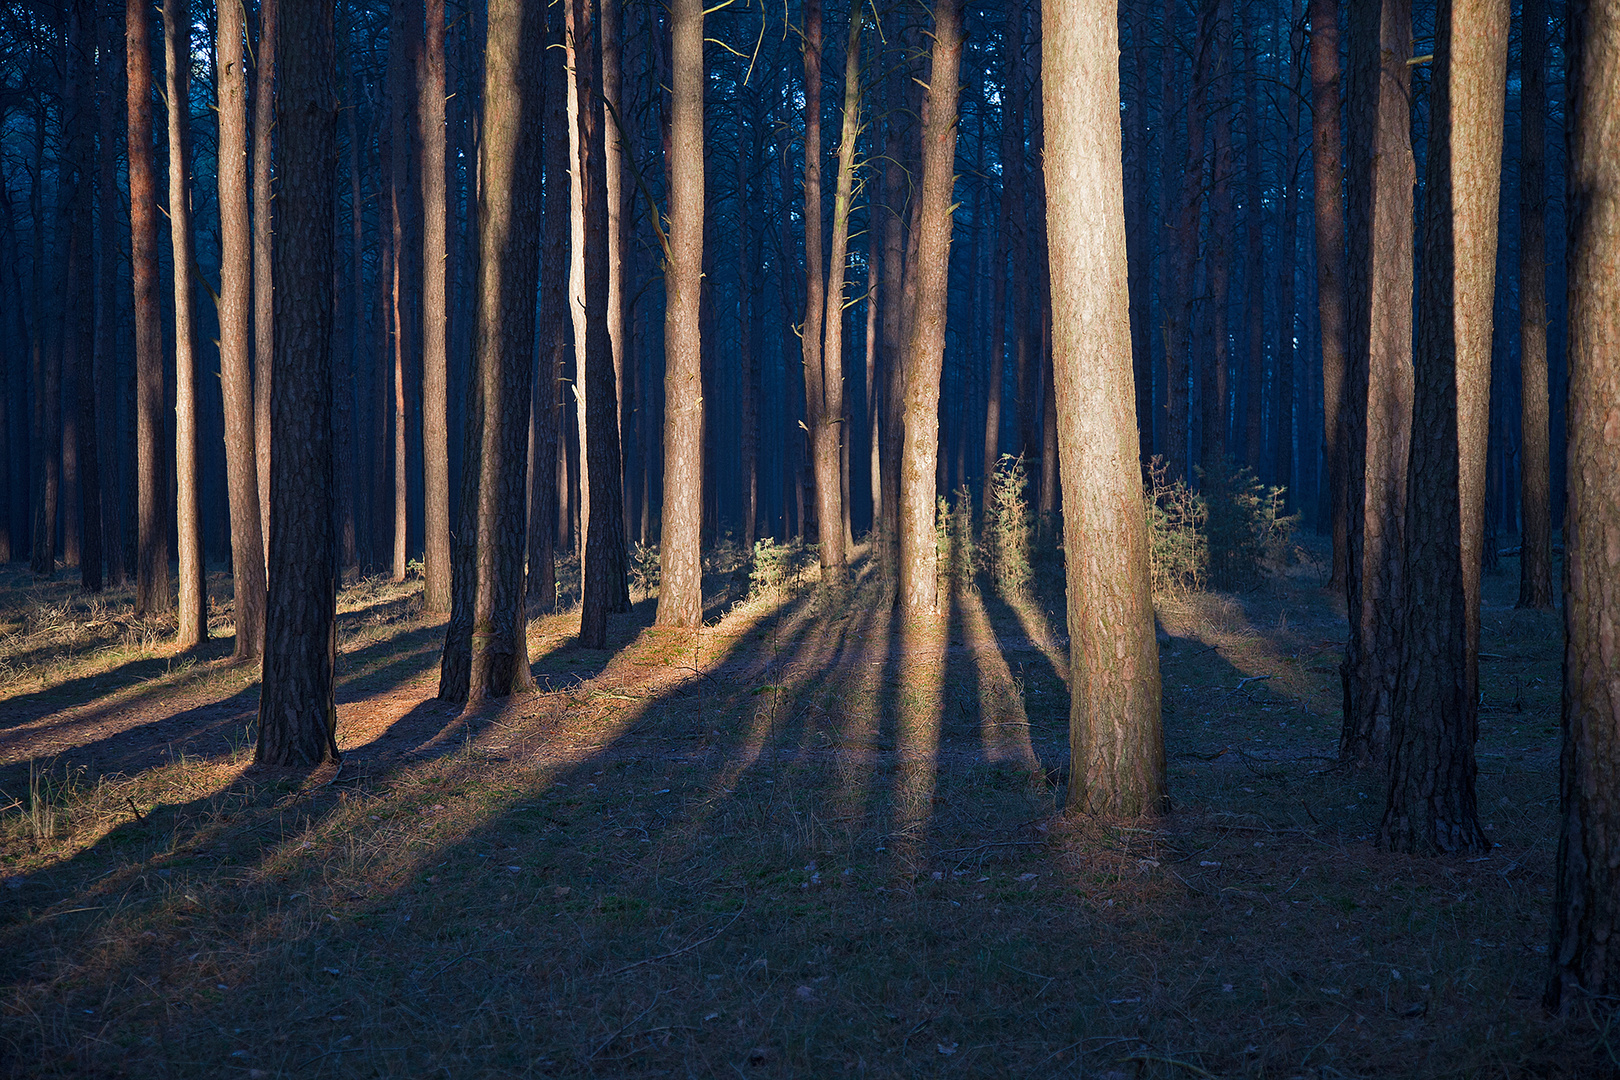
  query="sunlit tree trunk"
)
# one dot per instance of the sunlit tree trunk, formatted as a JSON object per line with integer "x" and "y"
{"x": 581, "y": 492}
{"x": 925, "y": 348}
{"x": 1115, "y": 738}
{"x": 1585, "y": 964}
{"x": 1434, "y": 719}
{"x": 680, "y": 588}
{"x": 177, "y": 58}
{"x": 1378, "y": 399}
{"x": 264, "y": 212}
{"x": 1535, "y": 550}
{"x": 401, "y": 51}
{"x": 297, "y": 707}
{"x": 835, "y": 428}
{"x": 1331, "y": 298}
{"x": 486, "y": 650}
{"x": 435, "y": 316}
{"x": 235, "y": 322}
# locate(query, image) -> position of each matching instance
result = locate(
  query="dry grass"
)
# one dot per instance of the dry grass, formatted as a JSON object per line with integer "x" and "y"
{"x": 807, "y": 840}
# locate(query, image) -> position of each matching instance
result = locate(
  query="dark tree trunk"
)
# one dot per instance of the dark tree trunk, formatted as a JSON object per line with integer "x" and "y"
{"x": 1434, "y": 719}
{"x": 1585, "y": 965}
{"x": 606, "y": 584}
{"x": 109, "y": 91}
{"x": 925, "y": 349}
{"x": 553, "y": 331}
{"x": 46, "y": 358}
{"x": 680, "y": 589}
{"x": 297, "y": 709}
{"x": 193, "y": 611}
{"x": 78, "y": 327}
{"x": 1331, "y": 297}
{"x": 1116, "y": 742}
{"x": 152, "y": 560}
{"x": 1179, "y": 305}
{"x": 1283, "y": 421}
{"x": 1378, "y": 397}
{"x": 1535, "y": 551}
{"x": 1218, "y": 260}
{"x": 235, "y": 322}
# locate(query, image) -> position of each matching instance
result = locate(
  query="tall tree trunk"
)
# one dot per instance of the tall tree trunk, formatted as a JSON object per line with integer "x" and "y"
{"x": 1535, "y": 550}
{"x": 749, "y": 270}
{"x": 925, "y": 350}
{"x": 835, "y": 428}
{"x": 264, "y": 211}
{"x": 1586, "y": 916}
{"x": 1331, "y": 296}
{"x": 1434, "y": 720}
{"x": 401, "y": 64}
{"x": 235, "y": 313}
{"x": 109, "y": 94}
{"x": 152, "y": 559}
{"x": 1212, "y": 384}
{"x": 1254, "y": 305}
{"x": 46, "y": 361}
{"x": 78, "y": 328}
{"x": 680, "y": 589}
{"x": 1179, "y": 307}
{"x": 820, "y": 370}
{"x": 486, "y": 649}
{"x": 435, "y": 316}
{"x": 614, "y": 134}
{"x": 581, "y": 487}
{"x": 177, "y": 58}
{"x": 553, "y": 330}
{"x": 998, "y": 291}
{"x": 297, "y": 708}
{"x": 1378, "y": 398}
{"x": 1116, "y": 742}
{"x": 353, "y": 498}
{"x": 605, "y": 581}
{"x": 894, "y": 370}
{"x": 1287, "y": 325}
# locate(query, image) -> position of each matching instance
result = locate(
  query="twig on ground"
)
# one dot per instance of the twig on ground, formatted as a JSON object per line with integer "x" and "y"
{"x": 629, "y": 1023}
{"x": 677, "y": 952}
{"x": 1196, "y": 1070}
{"x": 1247, "y": 680}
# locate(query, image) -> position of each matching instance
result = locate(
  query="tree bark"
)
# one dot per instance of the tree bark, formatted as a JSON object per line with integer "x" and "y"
{"x": 1586, "y": 906}
{"x": 925, "y": 350}
{"x": 1535, "y": 478}
{"x": 297, "y": 709}
{"x": 486, "y": 648}
{"x": 1331, "y": 297}
{"x": 680, "y": 588}
{"x": 109, "y": 92}
{"x": 606, "y": 586}
{"x": 1115, "y": 738}
{"x": 1434, "y": 719}
{"x": 152, "y": 559}
{"x": 1283, "y": 421}
{"x": 193, "y": 611}
{"x": 553, "y": 331}
{"x": 1212, "y": 388}
{"x": 1378, "y": 398}
{"x": 835, "y": 443}
{"x": 435, "y": 316}
{"x": 235, "y": 313}
{"x": 264, "y": 210}
{"x": 1179, "y": 306}
{"x": 46, "y": 362}
{"x": 78, "y": 329}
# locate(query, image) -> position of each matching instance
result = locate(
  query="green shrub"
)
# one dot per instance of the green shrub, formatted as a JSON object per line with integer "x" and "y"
{"x": 644, "y": 568}
{"x": 1007, "y": 528}
{"x": 776, "y": 566}
{"x": 1178, "y": 544}
{"x": 1248, "y": 532}
{"x": 953, "y": 540}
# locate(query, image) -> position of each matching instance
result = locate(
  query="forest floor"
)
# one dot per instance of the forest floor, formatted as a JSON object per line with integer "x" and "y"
{"x": 811, "y": 839}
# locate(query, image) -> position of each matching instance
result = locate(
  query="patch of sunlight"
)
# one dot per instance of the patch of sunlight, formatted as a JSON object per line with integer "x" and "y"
{"x": 1003, "y": 723}
{"x": 1043, "y": 635}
